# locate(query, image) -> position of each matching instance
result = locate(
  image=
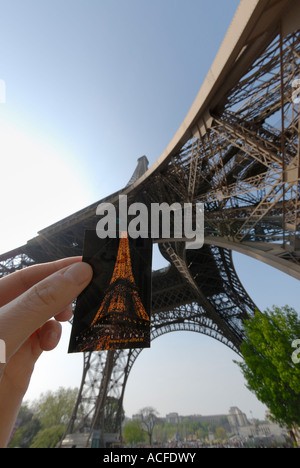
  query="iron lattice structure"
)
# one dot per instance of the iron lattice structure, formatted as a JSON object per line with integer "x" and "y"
{"x": 237, "y": 152}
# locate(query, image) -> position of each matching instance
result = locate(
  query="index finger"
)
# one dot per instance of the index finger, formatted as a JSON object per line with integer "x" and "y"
{"x": 44, "y": 300}
{"x": 15, "y": 284}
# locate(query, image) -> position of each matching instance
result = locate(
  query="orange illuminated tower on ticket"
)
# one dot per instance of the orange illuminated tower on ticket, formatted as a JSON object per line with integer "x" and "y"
{"x": 114, "y": 311}
{"x": 122, "y": 304}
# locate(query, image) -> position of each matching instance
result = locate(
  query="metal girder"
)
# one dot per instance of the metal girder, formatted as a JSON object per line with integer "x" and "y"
{"x": 14, "y": 261}
{"x": 263, "y": 208}
{"x": 261, "y": 149}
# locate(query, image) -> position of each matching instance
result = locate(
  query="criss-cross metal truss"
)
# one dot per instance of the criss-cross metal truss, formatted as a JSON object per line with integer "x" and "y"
{"x": 237, "y": 152}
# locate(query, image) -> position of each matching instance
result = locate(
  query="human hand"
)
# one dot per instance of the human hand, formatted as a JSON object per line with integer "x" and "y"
{"x": 29, "y": 298}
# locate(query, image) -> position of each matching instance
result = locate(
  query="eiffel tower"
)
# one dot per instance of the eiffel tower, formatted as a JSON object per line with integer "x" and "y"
{"x": 121, "y": 320}
{"x": 237, "y": 151}
{"x": 122, "y": 282}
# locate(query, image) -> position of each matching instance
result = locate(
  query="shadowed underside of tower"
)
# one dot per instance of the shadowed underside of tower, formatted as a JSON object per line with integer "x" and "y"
{"x": 237, "y": 152}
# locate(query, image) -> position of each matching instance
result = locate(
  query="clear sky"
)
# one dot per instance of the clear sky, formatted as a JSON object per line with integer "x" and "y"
{"x": 91, "y": 85}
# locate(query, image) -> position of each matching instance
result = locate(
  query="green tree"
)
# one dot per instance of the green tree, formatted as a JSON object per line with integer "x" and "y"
{"x": 148, "y": 419}
{"x": 164, "y": 431}
{"x": 44, "y": 421}
{"x": 55, "y": 408}
{"x": 48, "y": 438}
{"x": 29, "y": 427}
{"x": 220, "y": 433}
{"x": 201, "y": 434}
{"x": 133, "y": 433}
{"x": 268, "y": 366}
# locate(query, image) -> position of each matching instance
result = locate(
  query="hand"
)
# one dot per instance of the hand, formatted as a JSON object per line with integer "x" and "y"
{"x": 29, "y": 298}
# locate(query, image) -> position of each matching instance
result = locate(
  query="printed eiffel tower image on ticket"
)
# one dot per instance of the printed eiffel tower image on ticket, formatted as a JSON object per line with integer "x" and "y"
{"x": 122, "y": 318}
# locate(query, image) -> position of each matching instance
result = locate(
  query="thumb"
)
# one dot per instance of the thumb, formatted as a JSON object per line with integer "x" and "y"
{"x": 28, "y": 312}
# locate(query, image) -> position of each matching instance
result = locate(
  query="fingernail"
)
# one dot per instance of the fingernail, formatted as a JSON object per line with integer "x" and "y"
{"x": 78, "y": 273}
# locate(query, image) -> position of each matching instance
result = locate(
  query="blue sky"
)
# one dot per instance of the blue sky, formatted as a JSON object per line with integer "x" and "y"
{"x": 90, "y": 87}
